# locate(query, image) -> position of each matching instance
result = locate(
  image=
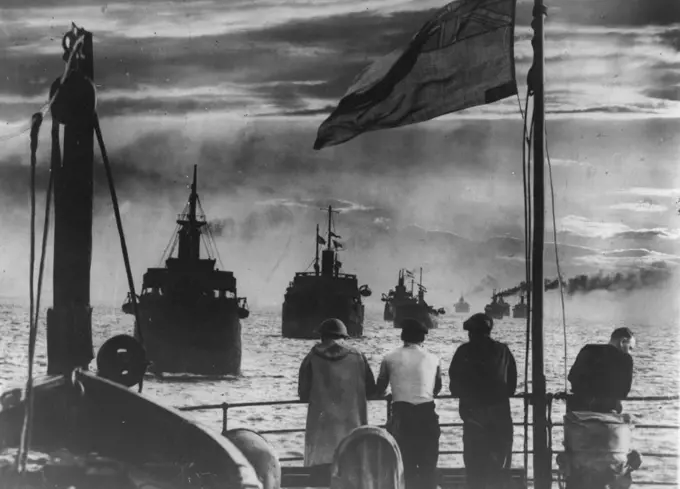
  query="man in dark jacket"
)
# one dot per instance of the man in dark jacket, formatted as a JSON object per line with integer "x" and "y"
{"x": 483, "y": 374}
{"x": 602, "y": 375}
{"x": 335, "y": 380}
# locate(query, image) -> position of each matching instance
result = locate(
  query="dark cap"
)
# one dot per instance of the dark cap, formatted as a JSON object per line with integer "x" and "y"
{"x": 333, "y": 327}
{"x": 478, "y": 322}
{"x": 413, "y": 325}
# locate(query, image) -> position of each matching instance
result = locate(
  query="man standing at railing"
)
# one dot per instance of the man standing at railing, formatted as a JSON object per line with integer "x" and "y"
{"x": 414, "y": 376}
{"x": 602, "y": 375}
{"x": 335, "y": 380}
{"x": 483, "y": 374}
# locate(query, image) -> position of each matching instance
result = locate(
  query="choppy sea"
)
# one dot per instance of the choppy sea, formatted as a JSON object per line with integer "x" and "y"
{"x": 270, "y": 369}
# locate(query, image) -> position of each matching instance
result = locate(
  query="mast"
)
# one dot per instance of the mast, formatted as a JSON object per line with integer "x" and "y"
{"x": 193, "y": 198}
{"x": 190, "y": 233}
{"x": 316, "y": 256}
{"x": 69, "y": 321}
{"x": 542, "y": 457}
{"x": 329, "y": 228}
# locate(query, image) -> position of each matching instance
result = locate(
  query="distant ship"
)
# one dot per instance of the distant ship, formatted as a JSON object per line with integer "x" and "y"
{"x": 461, "y": 305}
{"x": 498, "y": 308}
{"x": 324, "y": 293}
{"x": 520, "y": 309}
{"x": 401, "y": 303}
{"x": 189, "y": 310}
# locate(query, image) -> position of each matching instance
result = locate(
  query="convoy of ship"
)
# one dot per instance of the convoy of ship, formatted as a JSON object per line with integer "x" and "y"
{"x": 96, "y": 431}
{"x": 189, "y": 311}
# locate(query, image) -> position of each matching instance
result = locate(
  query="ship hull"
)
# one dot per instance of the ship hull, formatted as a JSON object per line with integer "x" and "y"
{"x": 403, "y": 311}
{"x": 301, "y": 317}
{"x": 496, "y": 312}
{"x": 203, "y": 340}
{"x": 520, "y": 313}
{"x": 388, "y": 315}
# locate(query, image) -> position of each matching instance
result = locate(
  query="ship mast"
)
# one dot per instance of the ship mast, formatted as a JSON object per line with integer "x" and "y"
{"x": 190, "y": 232}
{"x": 542, "y": 455}
{"x": 330, "y": 213}
{"x": 316, "y": 256}
{"x": 69, "y": 321}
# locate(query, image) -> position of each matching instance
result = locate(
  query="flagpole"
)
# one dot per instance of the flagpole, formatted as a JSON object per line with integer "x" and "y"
{"x": 542, "y": 457}
{"x": 329, "y": 227}
{"x": 316, "y": 258}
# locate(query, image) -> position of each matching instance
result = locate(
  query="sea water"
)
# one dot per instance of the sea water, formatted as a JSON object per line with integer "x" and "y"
{"x": 271, "y": 363}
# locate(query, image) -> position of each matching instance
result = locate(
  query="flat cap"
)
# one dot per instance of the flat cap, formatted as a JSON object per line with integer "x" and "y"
{"x": 414, "y": 325}
{"x": 479, "y": 321}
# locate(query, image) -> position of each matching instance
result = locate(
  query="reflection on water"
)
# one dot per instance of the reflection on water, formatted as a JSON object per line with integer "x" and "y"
{"x": 270, "y": 368}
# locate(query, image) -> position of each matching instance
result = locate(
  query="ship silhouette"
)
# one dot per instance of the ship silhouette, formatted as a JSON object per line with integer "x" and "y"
{"x": 461, "y": 305}
{"x": 520, "y": 310}
{"x": 497, "y": 308}
{"x": 189, "y": 310}
{"x": 324, "y": 293}
{"x": 401, "y": 303}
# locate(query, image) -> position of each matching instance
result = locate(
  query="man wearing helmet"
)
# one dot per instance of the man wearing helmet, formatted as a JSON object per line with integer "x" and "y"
{"x": 335, "y": 380}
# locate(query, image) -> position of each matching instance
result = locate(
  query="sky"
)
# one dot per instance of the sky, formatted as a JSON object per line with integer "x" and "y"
{"x": 240, "y": 87}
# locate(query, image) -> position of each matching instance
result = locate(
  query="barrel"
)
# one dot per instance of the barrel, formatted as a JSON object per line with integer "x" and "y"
{"x": 367, "y": 458}
{"x": 597, "y": 442}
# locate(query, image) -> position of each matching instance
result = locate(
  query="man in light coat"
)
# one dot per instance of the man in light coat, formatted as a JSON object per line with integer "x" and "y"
{"x": 336, "y": 380}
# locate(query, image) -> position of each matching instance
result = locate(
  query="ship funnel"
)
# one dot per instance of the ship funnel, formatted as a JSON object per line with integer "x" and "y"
{"x": 327, "y": 262}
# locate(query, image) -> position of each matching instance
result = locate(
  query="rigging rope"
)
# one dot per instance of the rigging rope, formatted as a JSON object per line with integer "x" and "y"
{"x": 171, "y": 242}
{"x": 557, "y": 260}
{"x": 22, "y": 454}
{"x": 526, "y": 165}
{"x": 121, "y": 234}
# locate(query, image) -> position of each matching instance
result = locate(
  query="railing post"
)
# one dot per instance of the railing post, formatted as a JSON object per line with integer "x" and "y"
{"x": 225, "y": 408}
{"x": 388, "y": 406}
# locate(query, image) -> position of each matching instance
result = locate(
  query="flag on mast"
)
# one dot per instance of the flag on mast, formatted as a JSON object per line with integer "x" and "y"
{"x": 461, "y": 58}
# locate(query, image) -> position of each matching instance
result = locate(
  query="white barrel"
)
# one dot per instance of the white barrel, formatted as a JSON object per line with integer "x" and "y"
{"x": 598, "y": 442}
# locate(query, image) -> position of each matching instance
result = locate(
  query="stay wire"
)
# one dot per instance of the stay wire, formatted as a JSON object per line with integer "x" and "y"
{"x": 121, "y": 233}
{"x": 557, "y": 260}
{"x": 527, "y": 256}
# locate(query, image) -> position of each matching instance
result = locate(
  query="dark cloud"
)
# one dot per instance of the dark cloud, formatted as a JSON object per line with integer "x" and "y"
{"x": 612, "y": 12}
{"x": 277, "y": 63}
{"x": 642, "y": 234}
{"x": 668, "y": 93}
{"x": 637, "y": 253}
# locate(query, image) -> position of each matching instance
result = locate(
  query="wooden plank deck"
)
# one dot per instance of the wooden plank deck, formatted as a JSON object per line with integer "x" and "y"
{"x": 449, "y": 478}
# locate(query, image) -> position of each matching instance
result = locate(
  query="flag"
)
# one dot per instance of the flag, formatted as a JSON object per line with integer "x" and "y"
{"x": 462, "y": 57}
{"x": 337, "y": 244}
{"x": 408, "y": 273}
{"x": 320, "y": 240}
{"x": 335, "y": 235}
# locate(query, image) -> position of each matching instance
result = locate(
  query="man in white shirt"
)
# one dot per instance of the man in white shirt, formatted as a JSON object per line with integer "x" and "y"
{"x": 414, "y": 377}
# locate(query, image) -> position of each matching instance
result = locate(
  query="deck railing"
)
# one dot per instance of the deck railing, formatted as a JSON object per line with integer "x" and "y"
{"x": 225, "y": 406}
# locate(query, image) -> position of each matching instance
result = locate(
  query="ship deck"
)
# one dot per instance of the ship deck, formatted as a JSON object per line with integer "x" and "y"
{"x": 449, "y": 477}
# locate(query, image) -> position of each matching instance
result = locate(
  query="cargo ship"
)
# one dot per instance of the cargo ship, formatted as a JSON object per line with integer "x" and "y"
{"x": 324, "y": 293}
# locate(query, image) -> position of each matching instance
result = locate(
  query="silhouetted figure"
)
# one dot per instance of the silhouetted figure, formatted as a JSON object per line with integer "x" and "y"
{"x": 483, "y": 374}
{"x": 335, "y": 380}
{"x": 414, "y": 376}
{"x": 602, "y": 375}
